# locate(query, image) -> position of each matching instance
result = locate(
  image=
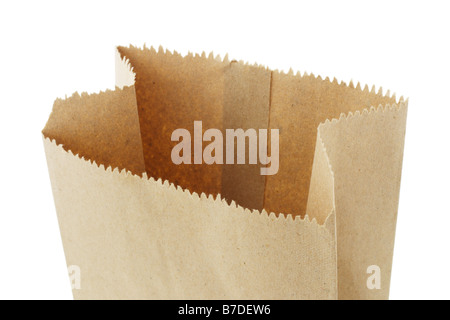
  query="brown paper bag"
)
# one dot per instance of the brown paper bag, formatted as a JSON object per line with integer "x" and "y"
{"x": 138, "y": 226}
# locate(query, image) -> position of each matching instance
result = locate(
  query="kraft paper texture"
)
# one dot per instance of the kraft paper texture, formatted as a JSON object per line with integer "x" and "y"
{"x": 141, "y": 227}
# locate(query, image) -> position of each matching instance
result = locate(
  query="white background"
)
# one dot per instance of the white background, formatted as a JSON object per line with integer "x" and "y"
{"x": 52, "y": 49}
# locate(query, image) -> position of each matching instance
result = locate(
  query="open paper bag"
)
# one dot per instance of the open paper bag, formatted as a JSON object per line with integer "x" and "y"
{"x": 139, "y": 226}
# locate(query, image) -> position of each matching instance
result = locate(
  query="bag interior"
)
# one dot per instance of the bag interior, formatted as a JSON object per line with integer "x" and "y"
{"x": 131, "y": 128}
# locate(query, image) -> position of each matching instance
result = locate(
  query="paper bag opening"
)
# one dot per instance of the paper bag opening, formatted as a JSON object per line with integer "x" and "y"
{"x": 173, "y": 91}
{"x": 325, "y": 166}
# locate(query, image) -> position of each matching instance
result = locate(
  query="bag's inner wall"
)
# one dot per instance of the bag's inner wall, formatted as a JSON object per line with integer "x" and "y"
{"x": 173, "y": 92}
{"x": 103, "y": 127}
{"x": 298, "y": 106}
{"x": 246, "y": 104}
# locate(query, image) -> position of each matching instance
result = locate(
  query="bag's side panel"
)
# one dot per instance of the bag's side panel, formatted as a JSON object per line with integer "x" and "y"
{"x": 246, "y": 106}
{"x": 365, "y": 152}
{"x": 139, "y": 239}
{"x": 293, "y": 112}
